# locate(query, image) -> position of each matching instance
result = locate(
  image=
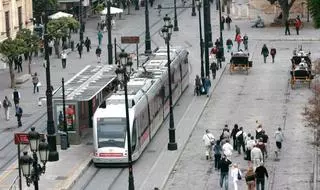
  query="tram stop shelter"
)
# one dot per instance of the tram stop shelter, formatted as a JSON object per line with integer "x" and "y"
{"x": 83, "y": 94}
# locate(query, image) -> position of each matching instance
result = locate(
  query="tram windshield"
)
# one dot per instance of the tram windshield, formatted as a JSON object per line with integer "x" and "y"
{"x": 111, "y": 132}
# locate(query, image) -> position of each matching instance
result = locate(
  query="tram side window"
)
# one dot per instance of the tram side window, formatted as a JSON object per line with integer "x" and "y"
{"x": 134, "y": 136}
{"x": 103, "y": 105}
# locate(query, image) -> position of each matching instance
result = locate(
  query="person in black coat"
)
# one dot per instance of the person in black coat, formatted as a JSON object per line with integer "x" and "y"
{"x": 261, "y": 172}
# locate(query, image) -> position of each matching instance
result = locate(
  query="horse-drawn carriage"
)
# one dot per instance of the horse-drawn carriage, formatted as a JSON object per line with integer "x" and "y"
{"x": 240, "y": 62}
{"x": 301, "y": 68}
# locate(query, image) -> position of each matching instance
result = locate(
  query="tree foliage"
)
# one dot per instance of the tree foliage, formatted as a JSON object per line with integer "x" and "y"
{"x": 59, "y": 28}
{"x": 314, "y": 6}
{"x": 31, "y": 40}
{"x": 285, "y": 7}
{"x": 43, "y": 6}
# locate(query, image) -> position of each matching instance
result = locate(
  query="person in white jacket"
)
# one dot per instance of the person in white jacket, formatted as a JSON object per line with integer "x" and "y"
{"x": 208, "y": 140}
{"x": 256, "y": 157}
{"x": 227, "y": 149}
{"x": 235, "y": 171}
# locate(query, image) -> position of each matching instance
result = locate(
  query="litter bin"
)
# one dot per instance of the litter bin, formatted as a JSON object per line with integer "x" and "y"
{"x": 72, "y": 45}
{"x": 63, "y": 140}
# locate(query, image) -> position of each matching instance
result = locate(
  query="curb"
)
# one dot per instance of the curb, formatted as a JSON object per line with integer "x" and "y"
{"x": 184, "y": 145}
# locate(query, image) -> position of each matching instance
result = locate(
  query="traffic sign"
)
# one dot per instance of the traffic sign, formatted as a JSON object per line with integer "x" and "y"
{"x": 22, "y": 138}
{"x": 130, "y": 39}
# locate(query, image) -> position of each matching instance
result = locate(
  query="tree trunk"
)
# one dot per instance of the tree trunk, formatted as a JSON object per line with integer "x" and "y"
{"x": 12, "y": 76}
{"x": 285, "y": 7}
{"x": 29, "y": 65}
{"x": 56, "y": 48}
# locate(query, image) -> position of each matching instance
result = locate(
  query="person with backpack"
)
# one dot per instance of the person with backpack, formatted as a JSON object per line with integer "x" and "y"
{"x": 264, "y": 53}
{"x": 217, "y": 151}
{"x": 208, "y": 140}
{"x": 6, "y": 106}
{"x": 240, "y": 140}
{"x": 19, "y": 112}
{"x": 273, "y": 53}
{"x": 233, "y": 135}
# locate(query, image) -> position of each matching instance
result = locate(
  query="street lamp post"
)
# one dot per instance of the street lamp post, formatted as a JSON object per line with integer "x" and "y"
{"x": 222, "y": 58}
{"x": 210, "y": 43}
{"x": 109, "y": 32}
{"x": 65, "y": 128}
{"x": 206, "y": 36}
{"x": 193, "y": 13}
{"x": 81, "y": 20}
{"x": 166, "y": 32}
{"x": 198, "y": 2}
{"x": 148, "y": 38}
{"x": 51, "y": 131}
{"x": 32, "y": 174}
{"x": 175, "y": 27}
{"x": 123, "y": 73}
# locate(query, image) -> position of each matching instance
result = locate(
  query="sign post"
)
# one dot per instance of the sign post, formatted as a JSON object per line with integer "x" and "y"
{"x": 132, "y": 40}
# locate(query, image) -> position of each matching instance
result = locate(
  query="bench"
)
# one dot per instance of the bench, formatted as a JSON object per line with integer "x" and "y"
{"x": 23, "y": 78}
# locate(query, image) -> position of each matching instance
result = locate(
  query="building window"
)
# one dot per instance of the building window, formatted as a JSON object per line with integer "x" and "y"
{"x": 20, "y": 17}
{"x": 7, "y": 19}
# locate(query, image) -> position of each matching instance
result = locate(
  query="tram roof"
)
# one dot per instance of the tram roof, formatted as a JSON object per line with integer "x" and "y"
{"x": 88, "y": 82}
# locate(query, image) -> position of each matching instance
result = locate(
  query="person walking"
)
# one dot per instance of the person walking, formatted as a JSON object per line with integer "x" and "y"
{"x": 227, "y": 149}
{"x": 98, "y": 53}
{"x": 265, "y": 52}
{"x": 279, "y": 138}
{"x": 19, "y": 115}
{"x": 208, "y": 140}
{"x": 256, "y": 157}
{"x": 245, "y": 42}
{"x": 265, "y": 139}
{"x": 262, "y": 147}
{"x": 273, "y": 53}
{"x": 229, "y": 44}
{"x": 237, "y": 32}
{"x": 236, "y": 175}
{"x": 259, "y": 131}
{"x": 19, "y": 64}
{"x": 207, "y": 85}
{"x": 261, "y": 172}
{"x": 50, "y": 47}
{"x": 250, "y": 178}
{"x": 240, "y": 140}
{"x": 213, "y": 68}
{"x": 228, "y": 21}
{"x": 80, "y": 48}
{"x": 234, "y": 131}
{"x": 100, "y": 36}
{"x": 238, "y": 40}
{"x": 297, "y": 24}
{"x": 16, "y": 96}
{"x": 224, "y": 172}
{"x": 6, "y": 106}
{"x": 87, "y": 43}
{"x": 217, "y": 151}
{"x": 249, "y": 146}
{"x": 223, "y": 20}
{"x": 35, "y": 81}
{"x": 64, "y": 57}
{"x": 287, "y": 30}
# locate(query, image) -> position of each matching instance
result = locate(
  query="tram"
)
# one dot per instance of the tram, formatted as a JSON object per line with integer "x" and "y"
{"x": 148, "y": 99}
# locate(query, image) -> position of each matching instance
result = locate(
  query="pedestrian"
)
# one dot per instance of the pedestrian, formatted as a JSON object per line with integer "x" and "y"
{"x": 35, "y": 81}
{"x": 16, "y": 62}
{"x": 225, "y": 135}
{"x": 297, "y": 24}
{"x": 64, "y": 57}
{"x": 238, "y": 40}
{"x": 261, "y": 172}
{"x": 229, "y": 44}
{"x": 273, "y": 53}
{"x": 227, "y": 149}
{"x": 151, "y": 2}
{"x": 234, "y": 131}
{"x": 6, "y": 106}
{"x": 213, "y": 68}
{"x": 64, "y": 40}
{"x": 228, "y": 21}
{"x": 98, "y": 53}
{"x": 245, "y": 42}
{"x": 279, "y": 138}
{"x": 262, "y": 147}
{"x": 159, "y": 9}
{"x": 79, "y": 48}
{"x": 217, "y": 151}
{"x": 214, "y": 50}
{"x": 219, "y": 56}
{"x": 250, "y": 178}
{"x": 265, "y": 52}
{"x": 265, "y": 139}
{"x": 87, "y": 43}
{"x": 16, "y": 96}
{"x": 223, "y": 20}
{"x": 236, "y": 175}
{"x": 100, "y": 36}
{"x": 208, "y": 140}
{"x": 259, "y": 131}
{"x": 249, "y": 146}
{"x": 287, "y": 30}
{"x": 224, "y": 172}
{"x": 256, "y": 157}
{"x": 50, "y": 47}
{"x": 19, "y": 64}
{"x": 237, "y": 32}
{"x": 240, "y": 140}
{"x": 19, "y": 112}
{"x": 207, "y": 85}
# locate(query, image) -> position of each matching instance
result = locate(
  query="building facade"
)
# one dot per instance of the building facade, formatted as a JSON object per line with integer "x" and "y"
{"x": 14, "y": 15}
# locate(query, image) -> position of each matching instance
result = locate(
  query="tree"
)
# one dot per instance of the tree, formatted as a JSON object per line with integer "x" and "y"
{"x": 42, "y": 6}
{"x": 31, "y": 43}
{"x": 285, "y": 7}
{"x": 314, "y": 6}
{"x": 11, "y": 49}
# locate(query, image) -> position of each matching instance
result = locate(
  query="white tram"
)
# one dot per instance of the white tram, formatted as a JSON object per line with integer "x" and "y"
{"x": 148, "y": 96}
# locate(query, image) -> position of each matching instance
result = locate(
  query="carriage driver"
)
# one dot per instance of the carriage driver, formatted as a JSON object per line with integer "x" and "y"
{"x": 302, "y": 65}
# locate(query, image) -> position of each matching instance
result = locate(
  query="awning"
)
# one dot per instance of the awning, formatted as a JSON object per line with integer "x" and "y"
{"x": 60, "y": 15}
{"x": 113, "y": 10}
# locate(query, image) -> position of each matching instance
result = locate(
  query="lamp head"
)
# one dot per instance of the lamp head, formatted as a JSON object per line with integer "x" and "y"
{"x": 43, "y": 151}
{"x": 26, "y": 162}
{"x": 167, "y": 20}
{"x": 34, "y": 138}
{"x": 123, "y": 57}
